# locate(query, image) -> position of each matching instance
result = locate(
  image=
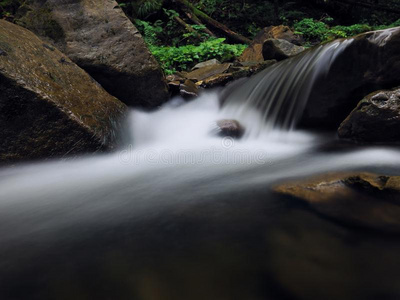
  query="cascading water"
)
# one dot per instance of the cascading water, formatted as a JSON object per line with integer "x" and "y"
{"x": 183, "y": 214}
{"x": 281, "y": 92}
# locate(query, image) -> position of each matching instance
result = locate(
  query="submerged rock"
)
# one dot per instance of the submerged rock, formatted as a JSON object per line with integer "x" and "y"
{"x": 229, "y": 128}
{"x": 358, "y": 199}
{"x": 48, "y": 105}
{"x": 375, "y": 119}
{"x": 97, "y": 36}
{"x": 280, "y": 49}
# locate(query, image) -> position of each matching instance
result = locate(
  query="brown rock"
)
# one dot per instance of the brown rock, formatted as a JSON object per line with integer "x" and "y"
{"x": 217, "y": 80}
{"x": 205, "y": 72}
{"x": 277, "y": 32}
{"x": 253, "y": 53}
{"x": 360, "y": 199}
{"x": 98, "y": 37}
{"x": 375, "y": 119}
{"x": 49, "y": 106}
{"x": 255, "y": 50}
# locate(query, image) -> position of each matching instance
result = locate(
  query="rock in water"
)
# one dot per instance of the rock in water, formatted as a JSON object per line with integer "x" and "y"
{"x": 98, "y": 37}
{"x": 230, "y": 128}
{"x": 48, "y": 105}
{"x": 375, "y": 119}
{"x": 359, "y": 199}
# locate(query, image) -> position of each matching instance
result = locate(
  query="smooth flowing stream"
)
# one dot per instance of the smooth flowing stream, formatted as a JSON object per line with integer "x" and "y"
{"x": 179, "y": 213}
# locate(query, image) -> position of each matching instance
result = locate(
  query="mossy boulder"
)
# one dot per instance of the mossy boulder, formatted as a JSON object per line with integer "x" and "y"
{"x": 98, "y": 37}
{"x": 49, "y": 107}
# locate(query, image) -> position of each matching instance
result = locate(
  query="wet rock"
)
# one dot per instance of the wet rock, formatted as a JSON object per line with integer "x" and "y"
{"x": 97, "y": 36}
{"x": 176, "y": 77}
{"x": 357, "y": 199}
{"x": 229, "y": 128}
{"x": 174, "y": 87}
{"x": 280, "y": 49}
{"x": 375, "y": 119}
{"x": 207, "y": 63}
{"x": 206, "y": 72}
{"x": 48, "y": 108}
{"x": 217, "y": 80}
{"x": 189, "y": 89}
{"x": 370, "y": 62}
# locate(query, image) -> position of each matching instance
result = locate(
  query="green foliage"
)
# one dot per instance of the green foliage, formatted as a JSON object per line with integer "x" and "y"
{"x": 149, "y": 31}
{"x": 184, "y": 57}
{"x": 9, "y": 7}
{"x": 312, "y": 30}
{"x": 318, "y": 31}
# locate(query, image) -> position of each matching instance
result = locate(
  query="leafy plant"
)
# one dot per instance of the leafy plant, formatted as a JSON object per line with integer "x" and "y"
{"x": 149, "y": 31}
{"x": 184, "y": 57}
{"x": 318, "y": 31}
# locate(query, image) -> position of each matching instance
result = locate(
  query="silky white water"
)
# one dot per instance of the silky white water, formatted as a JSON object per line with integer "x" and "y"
{"x": 171, "y": 149}
{"x": 278, "y": 95}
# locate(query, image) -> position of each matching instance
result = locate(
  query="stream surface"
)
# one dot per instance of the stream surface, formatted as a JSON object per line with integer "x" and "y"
{"x": 179, "y": 213}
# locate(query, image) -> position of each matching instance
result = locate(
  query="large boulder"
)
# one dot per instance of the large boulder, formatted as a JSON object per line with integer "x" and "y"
{"x": 365, "y": 63}
{"x": 48, "y": 105}
{"x": 356, "y": 199}
{"x": 375, "y": 119}
{"x": 98, "y": 37}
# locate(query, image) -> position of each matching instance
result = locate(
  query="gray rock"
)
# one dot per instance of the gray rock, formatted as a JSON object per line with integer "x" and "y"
{"x": 230, "y": 128}
{"x": 49, "y": 107}
{"x": 280, "y": 49}
{"x": 97, "y": 36}
{"x": 207, "y": 63}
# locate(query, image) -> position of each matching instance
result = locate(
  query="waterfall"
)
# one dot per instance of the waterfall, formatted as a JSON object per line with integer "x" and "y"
{"x": 276, "y": 97}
